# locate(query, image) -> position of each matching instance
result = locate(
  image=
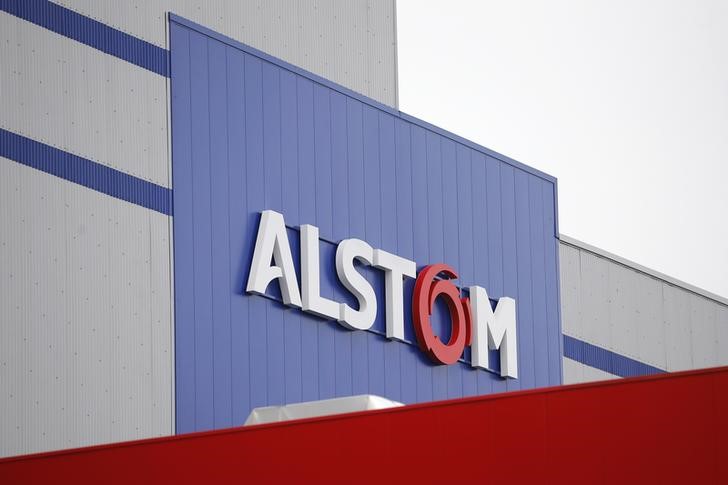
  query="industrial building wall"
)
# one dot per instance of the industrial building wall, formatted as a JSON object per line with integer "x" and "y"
{"x": 85, "y": 348}
{"x": 620, "y": 319}
{"x": 85, "y": 288}
{"x": 251, "y": 133}
{"x": 86, "y": 321}
{"x": 351, "y": 43}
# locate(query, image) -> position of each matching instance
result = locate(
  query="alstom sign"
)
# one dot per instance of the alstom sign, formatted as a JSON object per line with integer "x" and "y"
{"x": 474, "y": 322}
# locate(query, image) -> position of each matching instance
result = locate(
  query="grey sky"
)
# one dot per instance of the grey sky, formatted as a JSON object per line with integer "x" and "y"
{"x": 626, "y": 102}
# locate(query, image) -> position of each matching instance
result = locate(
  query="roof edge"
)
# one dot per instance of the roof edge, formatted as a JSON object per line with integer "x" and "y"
{"x": 570, "y": 241}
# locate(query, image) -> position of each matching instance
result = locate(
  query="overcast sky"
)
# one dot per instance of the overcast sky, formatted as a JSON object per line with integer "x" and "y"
{"x": 625, "y": 102}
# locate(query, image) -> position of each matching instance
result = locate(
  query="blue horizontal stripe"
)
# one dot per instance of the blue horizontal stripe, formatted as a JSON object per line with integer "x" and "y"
{"x": 90, "y": 32}
{"x": 605, "y": 360}
{"x": 85, "y": 172}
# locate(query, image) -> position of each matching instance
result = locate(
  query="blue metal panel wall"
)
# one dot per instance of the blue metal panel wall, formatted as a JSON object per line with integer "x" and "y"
{"x": 252, "y": 133}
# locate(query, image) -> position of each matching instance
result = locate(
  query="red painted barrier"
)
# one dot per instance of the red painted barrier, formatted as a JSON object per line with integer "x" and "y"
{"x": 660, "y": 429}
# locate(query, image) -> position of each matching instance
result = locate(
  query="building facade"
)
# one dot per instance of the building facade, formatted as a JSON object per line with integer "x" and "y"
{"x": 621, "y": 319}
{"x": 140, "y": 143}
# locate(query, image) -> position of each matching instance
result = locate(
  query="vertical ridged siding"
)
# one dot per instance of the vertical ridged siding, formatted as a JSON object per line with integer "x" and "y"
{"x": 86, "y": 30}
{"x": 80, "y": 100}
{"x": 97, "y": 96}
{"x": 250, "y": 135}
{"x": 352, "y": 43}
{"x": 576, "y": 372}
{"x": 85, "y": 354}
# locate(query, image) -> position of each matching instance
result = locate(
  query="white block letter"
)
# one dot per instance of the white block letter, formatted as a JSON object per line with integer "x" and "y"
{"x": 348, "y": 250}
{"x": 272, "y": 244}
{"x": 395, "y": 269}
{"x": 310, "y": 279}
{"x": 494, "y": 330}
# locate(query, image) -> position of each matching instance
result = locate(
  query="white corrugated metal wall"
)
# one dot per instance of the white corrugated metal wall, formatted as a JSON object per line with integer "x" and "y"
{"x": 637, "y": 313}
{"x": 86, "y": 294}
{"x": 351, "y": 42}
{"x": 86, "y": 312}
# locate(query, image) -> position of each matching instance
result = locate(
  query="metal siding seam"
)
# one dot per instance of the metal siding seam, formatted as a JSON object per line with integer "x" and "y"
{"x": 420, "y": 231}
{"x": 90, "y": 32}
{"x": 435, "y": 237}
{"x": 466, "y": 262}
{"x": 373, "y": 229}
{"x": 220, "y": 224}
{"x": 255, "y": 177}
{"x": 202, "y": 233}
{"x": 239, "y": 364}
{"x": 271, "y": 99}
{"x": 322, "y": 167}
{"x": 396, "y": 55}
{"x": 289, "y": 169}
{"x": 307, "y": 213}
{"x": 553, "y": 299}
{"x": 526, "y": 367}
{"x": 183, "y": 230}
{"x": 451, "y": 243}
{"x": 405, "y": 244}
{"x": 494, "y": 235}
{"x": 388, "y": 224}
{"x": 85, "y": 172}
{"x": 605, "y": 360}
{"x": 538, "y": 282}
{"x": 357, "y": 227}
{"x": 340, "y": 230}
{"x": 508, "y": 223}
{"x": 480, "y": 240}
